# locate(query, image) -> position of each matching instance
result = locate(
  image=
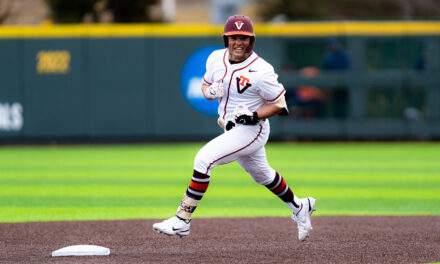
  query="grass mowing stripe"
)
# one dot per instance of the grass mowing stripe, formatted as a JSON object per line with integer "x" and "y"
{"x": 427, "y": 206}
{"x": 215, "y": 191}
{"x": 148, "y": 183}
{"x": 112, "y": 170}
{"x": 78, "y": 201}
{"x": 313, "y": 180}
{"x": 20, "y": 214}
{"x": 234, "y": 175}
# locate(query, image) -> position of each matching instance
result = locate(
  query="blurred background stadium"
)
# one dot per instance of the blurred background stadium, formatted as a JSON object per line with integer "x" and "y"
{"x": 109, "y": 70}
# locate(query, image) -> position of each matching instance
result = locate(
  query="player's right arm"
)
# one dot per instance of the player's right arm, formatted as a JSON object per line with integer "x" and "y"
{"x": 213, "y": 91}
{"x": 204, "y": 87}
{"x": 211, "y": 88}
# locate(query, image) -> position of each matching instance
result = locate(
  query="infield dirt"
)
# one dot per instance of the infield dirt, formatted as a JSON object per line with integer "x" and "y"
{"x": 334, "y": 239}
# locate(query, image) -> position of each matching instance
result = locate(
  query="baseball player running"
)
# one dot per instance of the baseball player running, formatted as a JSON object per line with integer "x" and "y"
{"x": 249, "y": 93}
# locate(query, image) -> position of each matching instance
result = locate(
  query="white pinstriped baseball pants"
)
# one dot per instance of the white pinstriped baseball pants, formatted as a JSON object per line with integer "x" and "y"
{"x": 243, "y": 143}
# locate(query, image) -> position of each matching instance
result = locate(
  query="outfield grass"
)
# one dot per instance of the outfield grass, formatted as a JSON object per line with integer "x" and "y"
{"x": 44, "y": 183}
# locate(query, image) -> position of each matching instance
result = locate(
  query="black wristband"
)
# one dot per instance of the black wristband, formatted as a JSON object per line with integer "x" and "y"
{"x": 255, "y": 118}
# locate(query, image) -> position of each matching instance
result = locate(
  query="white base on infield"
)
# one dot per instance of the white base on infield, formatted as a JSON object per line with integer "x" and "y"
{"x": 81, "y": 250}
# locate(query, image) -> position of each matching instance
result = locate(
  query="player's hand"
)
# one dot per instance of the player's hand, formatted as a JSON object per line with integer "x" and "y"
{"x": 243, "y": 116}
{"x": 248, "y": 119}
{"x": 214, "y": 91}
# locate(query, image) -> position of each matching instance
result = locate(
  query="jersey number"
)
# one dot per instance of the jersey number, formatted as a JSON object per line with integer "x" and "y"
{"x": 242, "y": 81}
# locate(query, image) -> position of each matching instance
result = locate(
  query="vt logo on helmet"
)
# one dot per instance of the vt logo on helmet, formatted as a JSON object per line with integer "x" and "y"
{"x": 239, "y": 25}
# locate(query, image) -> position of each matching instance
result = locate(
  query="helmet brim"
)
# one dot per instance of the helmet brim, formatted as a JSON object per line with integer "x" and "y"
{"x": 231, "y": 33}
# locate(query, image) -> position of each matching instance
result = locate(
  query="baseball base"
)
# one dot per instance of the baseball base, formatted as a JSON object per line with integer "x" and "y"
{"x": 81, "y": 250}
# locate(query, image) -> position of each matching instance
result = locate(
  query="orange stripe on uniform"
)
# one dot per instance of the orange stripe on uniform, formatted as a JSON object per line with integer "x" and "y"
{"x": 199, "y": 186}
{"x": 281, "y": 187}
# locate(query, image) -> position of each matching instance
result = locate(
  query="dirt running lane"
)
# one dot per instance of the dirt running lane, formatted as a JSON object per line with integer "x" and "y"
{"x": 334, "y": 239}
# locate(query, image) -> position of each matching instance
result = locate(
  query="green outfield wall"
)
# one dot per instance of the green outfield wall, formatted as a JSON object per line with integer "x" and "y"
{"x": 119, "y": 82}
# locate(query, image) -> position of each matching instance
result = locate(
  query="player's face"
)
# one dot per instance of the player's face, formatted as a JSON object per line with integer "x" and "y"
{"x": 237, "y": 46}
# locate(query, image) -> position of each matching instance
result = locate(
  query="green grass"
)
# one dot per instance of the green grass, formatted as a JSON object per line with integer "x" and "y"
{"x": 46, "y": 183}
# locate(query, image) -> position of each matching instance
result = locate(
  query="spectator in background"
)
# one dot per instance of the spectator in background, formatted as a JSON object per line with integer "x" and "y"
{"x": 305, "y": 101}
{"x": 310, "y": 99}
{"x": 336, "y": 57}
{"x": 420, "y": 63}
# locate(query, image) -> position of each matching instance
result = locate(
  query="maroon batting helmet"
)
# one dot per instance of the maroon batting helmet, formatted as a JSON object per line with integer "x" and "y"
{"x": 239, "y": 25}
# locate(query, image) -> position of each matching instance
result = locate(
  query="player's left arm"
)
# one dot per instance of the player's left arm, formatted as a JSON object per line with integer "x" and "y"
{"x": 269, "y": 110}
{"x": 245, "y": 117}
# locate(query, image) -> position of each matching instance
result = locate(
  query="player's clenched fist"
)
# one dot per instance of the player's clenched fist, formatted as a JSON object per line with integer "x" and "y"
{"x": 243, "y": 116}
{"x": 214, "y": 91}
